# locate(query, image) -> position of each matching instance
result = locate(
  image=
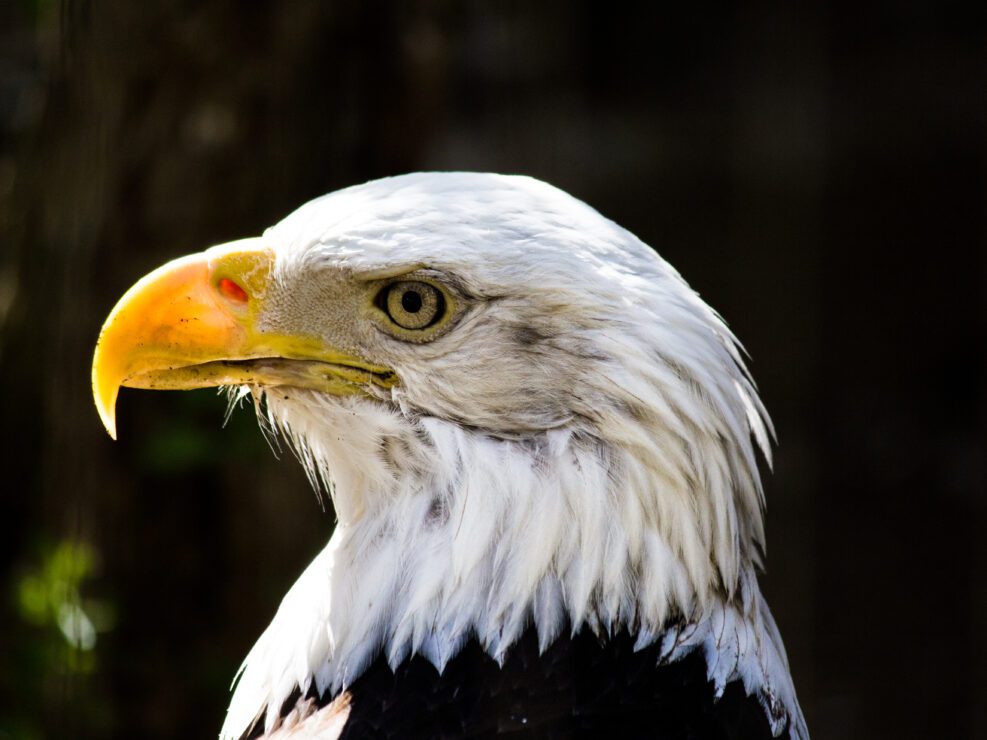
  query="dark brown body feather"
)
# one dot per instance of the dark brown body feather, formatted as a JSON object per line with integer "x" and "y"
{"x": 579, "y": 688}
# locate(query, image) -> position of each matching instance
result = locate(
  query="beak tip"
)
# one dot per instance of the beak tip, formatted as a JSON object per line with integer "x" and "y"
{"x": 109, "y": 422}
{"x": 105, "y": 397}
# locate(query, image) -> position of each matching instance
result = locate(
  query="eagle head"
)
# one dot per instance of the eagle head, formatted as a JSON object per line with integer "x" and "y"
{"x": 524, "y": 417}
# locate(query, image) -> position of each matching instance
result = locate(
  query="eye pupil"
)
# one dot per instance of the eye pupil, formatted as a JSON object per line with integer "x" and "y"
{"x": 411, "y": 301}
{"x": 412, "y": 305}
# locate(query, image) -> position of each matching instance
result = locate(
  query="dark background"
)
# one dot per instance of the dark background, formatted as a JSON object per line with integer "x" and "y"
{"x": 816, "y": 172}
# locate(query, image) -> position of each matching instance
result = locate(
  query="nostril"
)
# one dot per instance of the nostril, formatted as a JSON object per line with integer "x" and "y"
{"x": 232, "y": 291}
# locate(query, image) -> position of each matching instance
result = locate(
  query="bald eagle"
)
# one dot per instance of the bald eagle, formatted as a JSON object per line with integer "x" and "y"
{"x": 541, "y": 446}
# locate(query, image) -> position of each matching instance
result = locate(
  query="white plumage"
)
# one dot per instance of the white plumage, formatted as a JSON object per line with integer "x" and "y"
{"x": 578, "y": 449}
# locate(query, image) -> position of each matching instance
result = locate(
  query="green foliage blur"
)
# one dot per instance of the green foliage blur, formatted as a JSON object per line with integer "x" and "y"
{"x": 55, "y": 643}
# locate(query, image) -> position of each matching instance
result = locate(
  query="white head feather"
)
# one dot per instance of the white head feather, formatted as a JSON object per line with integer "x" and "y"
{"x": 578, "y": 450}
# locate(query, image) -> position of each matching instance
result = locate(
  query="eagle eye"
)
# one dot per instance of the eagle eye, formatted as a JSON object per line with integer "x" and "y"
{"x": 412, "y": 305}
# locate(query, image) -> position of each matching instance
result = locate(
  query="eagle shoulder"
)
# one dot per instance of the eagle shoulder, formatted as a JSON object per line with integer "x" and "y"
{"x": 582, "y": 686}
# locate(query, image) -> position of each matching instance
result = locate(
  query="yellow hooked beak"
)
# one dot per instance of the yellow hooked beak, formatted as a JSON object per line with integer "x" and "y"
{"x": 194, "y": 323}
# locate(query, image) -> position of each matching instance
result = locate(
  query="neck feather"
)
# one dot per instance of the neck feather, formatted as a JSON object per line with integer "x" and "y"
{"x": 446, "y": 533}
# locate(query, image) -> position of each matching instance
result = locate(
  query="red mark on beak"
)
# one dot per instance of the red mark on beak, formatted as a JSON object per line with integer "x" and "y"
{"x": 232, "y": 291}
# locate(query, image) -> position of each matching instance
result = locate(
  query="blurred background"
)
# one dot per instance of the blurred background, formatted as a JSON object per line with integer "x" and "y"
{"x": 816, "y": 171}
